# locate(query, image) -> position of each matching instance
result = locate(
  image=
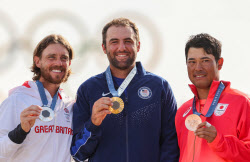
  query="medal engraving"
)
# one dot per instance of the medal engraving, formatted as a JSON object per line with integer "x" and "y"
{"x": 47, "y": 114}
{"x": 118, "y": 105}
{"x": 192, "y": 122}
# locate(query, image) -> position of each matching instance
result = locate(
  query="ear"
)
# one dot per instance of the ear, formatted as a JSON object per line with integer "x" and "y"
{"x": 104, "y": 49}
{"x": 220, "y": 63}
{"x": 69, "y": 62}
{"x": 138, "y": 46}
{"x": 37, "y": 61}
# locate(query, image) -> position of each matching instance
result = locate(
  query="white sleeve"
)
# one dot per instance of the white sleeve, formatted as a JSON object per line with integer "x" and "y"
{"x": 9, "y": 119}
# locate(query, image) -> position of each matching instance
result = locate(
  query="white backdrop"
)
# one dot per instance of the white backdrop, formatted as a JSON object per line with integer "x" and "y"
{"x": 164, "y": 25}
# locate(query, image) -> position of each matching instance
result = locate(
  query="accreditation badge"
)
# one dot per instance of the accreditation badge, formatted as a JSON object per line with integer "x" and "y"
{"x": 47, "y": 114}
{"x": 118, "y": 105}
{"x": 192, "y": 122}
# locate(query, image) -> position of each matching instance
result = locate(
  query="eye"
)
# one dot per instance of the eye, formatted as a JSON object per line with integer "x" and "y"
{"x": 51, "y": 57}
{"x": 114, "y": 42}
{"x": 191, "y": 62}
{"x": 65, "y": 58}
{"x": 206, "y": 60}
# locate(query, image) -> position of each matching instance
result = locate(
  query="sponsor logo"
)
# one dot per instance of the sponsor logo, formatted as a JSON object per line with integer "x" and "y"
{"x": 220, "y": 109}
{"x": 105, "y": 94}
{"x": 144, "y": 92}
{"x": 186, "y": 112}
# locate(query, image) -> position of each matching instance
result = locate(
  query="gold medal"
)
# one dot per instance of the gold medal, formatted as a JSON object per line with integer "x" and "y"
{"x": 192, "y": 122}
{"x": 118, "y": 105}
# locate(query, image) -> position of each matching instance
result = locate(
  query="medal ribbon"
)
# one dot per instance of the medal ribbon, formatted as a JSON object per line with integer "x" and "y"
{"x": 43, "y": 96}
{"x": 214, "y": 103}
{"x": 124, "y": 84}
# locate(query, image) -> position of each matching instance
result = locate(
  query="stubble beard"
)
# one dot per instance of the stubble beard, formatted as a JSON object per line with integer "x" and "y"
{"x": 126, "y": 65}
{"x": 46, "y": 75}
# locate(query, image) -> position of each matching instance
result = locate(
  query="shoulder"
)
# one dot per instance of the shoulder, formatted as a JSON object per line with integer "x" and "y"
{"x": 156, "y": 78}
{"x": 236, "y": 94}
{"x": 93, "y": 81}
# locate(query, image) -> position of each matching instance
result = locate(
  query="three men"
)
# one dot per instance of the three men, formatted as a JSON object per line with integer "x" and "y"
{"x": 36, "y": 118}
{"x": 141, "y": 126}
{"x": 224, "y": 134}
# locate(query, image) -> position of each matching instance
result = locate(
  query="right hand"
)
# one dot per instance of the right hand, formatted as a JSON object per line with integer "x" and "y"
{"x": 100, "y": 110}
{"x": 28, "y": 117}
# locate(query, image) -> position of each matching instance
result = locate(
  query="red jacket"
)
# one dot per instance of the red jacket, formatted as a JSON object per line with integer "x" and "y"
{"x": 231, "y": 119}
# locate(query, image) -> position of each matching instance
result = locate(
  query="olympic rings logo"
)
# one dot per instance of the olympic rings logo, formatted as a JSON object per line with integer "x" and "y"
{"x": 85, "y": 44}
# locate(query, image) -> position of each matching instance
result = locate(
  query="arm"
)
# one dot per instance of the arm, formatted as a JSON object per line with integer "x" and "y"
{"x": 235, "y": 148}
{"x": 169, "y": 144}
{"x": 12, "y": 133}
{"x": 86, "y": 125}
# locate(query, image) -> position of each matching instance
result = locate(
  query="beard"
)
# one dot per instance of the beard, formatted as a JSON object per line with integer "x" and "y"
{"x": 121, "y": 65}
{"x": 57, "y": 79}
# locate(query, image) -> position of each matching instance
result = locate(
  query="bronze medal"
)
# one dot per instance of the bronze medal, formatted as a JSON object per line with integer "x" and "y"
{"x": 192, "y": 122}
{"x": 118, "y": 105}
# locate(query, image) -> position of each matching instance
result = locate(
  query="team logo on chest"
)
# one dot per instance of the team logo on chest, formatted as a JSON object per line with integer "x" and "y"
{"x": 220, "y": 109}
{"x": 67, "y": 115}
{"x": 144, "y": 92}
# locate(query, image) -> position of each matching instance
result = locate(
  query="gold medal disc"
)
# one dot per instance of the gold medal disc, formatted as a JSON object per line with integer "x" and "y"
{"x": 192, "y": 122}
{"x": 118, "y": 105}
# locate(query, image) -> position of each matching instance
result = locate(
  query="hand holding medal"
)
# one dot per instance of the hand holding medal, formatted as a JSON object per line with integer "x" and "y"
{"x": 28, "y": 117}
{"x": 100, "y": 110}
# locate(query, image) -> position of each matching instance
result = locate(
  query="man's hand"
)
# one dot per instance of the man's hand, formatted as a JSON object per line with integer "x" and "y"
{"x": 206, "y": 131}
{"x": 100, "y": 110}
{"x": 28, "y": 117}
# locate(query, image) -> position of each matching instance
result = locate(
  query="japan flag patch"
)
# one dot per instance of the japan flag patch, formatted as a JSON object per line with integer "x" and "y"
{"x": 220, "y": 109}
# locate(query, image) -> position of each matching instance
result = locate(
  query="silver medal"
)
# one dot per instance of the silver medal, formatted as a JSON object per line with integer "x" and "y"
{"x": 47, "y": 114}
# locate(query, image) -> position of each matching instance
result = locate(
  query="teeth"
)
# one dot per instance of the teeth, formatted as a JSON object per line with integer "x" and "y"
{"x": 121, "y": 55}
{"x": 199, "y": 76}
{"x": 57, "y": 71}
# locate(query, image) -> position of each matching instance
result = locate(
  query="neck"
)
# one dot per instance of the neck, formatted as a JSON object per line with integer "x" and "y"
{"x": 51, "y": 88}
{"x": 121, "y": 73}
{"x": 202, "y": 93}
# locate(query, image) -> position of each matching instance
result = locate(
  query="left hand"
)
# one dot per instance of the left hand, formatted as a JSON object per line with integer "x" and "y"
{"x": 208, "y": 133}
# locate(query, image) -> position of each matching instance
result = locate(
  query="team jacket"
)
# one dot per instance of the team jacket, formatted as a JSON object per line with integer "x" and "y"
{"x": 47, "y": 141}
{"x": 143, "y": 132}
{"x": 231, "y": 119}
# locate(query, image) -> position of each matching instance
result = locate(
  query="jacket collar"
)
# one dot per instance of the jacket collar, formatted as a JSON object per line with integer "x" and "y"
{"x": 213, "y": 88}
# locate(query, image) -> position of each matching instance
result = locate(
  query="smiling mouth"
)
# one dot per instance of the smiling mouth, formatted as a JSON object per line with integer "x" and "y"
{"x": 57, "y": 71}
{"x": 200, "y": 76}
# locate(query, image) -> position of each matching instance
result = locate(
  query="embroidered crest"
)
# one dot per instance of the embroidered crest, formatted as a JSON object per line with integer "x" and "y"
{"x": 66, "y": 114}
{"x": 186, "y": 112}
{"x": 220, "y": 109}
{"x": 144, "y": 92}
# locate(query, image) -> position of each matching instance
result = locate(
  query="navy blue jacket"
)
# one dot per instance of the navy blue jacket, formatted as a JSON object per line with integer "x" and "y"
{"x": 143, "y": 132}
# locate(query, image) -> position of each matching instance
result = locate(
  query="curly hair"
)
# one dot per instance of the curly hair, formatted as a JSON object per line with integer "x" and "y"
{"x": 205, "y": 41}
{"x": 120, "y": 22}
{"x": 44, "y": 43}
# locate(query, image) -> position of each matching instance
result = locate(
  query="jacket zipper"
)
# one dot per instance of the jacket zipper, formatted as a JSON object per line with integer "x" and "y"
{"x": 126, "y": 101}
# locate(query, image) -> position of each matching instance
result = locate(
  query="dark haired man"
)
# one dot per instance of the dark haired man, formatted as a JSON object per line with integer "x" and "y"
{"x": 141, "y": 127}
{"x": 36, "y": 118}
{"x": 223, "y": 133}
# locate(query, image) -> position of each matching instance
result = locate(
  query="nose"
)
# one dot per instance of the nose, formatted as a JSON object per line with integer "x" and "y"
{"x": 198, "y": 66}
{"x": 59, "y": 62}
{"x": 121, "y": 47}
